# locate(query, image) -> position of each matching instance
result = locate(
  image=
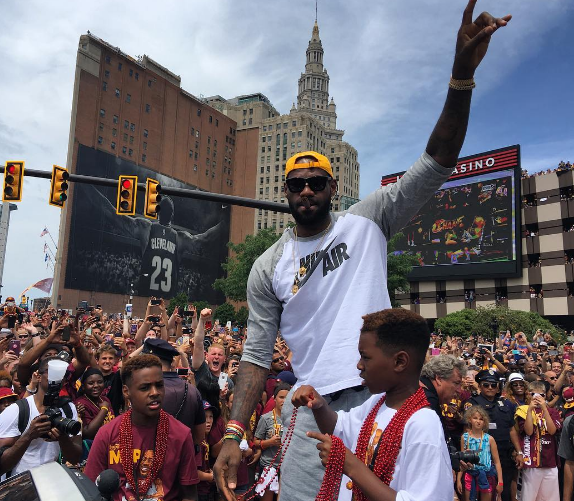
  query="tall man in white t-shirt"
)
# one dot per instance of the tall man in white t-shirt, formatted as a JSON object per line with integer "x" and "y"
{"x": 40, "y": 443}
{"x": 318, "y": 280}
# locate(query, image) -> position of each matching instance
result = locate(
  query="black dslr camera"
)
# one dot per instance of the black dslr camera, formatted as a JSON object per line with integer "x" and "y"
{"x": 457, "y": 456}
{"x": 53, "y": 402}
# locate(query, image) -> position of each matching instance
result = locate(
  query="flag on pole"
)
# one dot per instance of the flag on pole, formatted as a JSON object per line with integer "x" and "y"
{"x": 45, "y": 247}
{"x": 44, "y": 232}
{"x": 46, "y": 258}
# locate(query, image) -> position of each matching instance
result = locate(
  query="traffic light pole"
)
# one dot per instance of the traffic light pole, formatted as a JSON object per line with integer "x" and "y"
{"x": 177, "y": 192}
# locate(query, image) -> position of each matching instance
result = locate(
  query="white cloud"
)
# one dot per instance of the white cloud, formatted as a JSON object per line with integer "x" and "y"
{"x": 389, "y": 63}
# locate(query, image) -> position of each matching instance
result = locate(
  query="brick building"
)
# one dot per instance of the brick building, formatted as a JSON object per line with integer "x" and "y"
{"x": 136, "y": 110}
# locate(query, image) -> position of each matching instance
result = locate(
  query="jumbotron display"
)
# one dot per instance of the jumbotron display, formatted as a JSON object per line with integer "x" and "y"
{"x": 470, "y": 228}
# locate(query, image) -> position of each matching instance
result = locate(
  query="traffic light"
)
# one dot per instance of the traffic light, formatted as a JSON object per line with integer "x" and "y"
{"x": 152, "y": 198}
{"x": 13, "y": 181}
{"x": 59, "y": 186}
{"x": 127, "y": 191}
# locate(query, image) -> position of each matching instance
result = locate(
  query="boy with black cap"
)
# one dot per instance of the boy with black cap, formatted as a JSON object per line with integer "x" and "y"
{"x": 181, "y": 400}
{"x": 501, "y": 424}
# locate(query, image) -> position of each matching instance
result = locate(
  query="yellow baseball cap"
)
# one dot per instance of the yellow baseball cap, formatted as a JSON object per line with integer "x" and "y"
{"x": 321, "y": 162}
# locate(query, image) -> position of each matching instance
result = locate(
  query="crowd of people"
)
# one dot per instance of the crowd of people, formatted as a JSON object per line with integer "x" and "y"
{"x": 508, "y": 399}
{"x": 561, "y": 167}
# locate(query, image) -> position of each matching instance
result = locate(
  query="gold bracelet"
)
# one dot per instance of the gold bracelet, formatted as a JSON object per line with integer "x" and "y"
{"x": 468, "y": 84}
{"x": 104, "y": 407}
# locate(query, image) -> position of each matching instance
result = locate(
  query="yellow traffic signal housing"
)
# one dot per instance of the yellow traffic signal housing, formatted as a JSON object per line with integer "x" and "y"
{"x": 152, "y": 198}
{"x": 127, "y": 191}
{"x": 13, "y": 181}
{"x": 59, "y": 186}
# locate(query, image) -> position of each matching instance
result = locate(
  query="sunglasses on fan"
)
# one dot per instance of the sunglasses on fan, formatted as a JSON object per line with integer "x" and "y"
{"x": 315, "y": 183}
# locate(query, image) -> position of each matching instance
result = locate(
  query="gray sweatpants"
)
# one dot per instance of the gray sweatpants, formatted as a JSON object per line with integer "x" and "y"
{"x": 301, "y": 470}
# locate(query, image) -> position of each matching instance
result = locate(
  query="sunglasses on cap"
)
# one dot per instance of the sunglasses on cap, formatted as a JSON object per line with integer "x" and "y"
{"x": 489, "y": 385}
{"x": 315, "y": 183}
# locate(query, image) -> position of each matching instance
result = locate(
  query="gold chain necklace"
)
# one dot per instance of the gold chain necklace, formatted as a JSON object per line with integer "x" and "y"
{"x": 299, "y": 274}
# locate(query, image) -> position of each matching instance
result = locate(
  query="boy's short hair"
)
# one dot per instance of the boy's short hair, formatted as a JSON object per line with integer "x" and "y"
{"x": 138, "y": 363}
{"x": 106, "y": 348}
{"x": 471, "y": 411}
{"x": 400, "y": 330}
{"x": 216, "y": 345}
{"x": 281, "y": 387}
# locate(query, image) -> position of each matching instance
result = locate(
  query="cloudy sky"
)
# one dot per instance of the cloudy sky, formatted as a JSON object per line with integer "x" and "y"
{"x": 389, "y": 64}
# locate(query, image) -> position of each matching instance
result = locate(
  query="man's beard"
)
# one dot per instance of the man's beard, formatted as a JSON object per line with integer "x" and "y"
{"x": 308, "y": 220}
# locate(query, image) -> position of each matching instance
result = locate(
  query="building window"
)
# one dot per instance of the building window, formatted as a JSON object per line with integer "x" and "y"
{"x": 114, "y": 132}
{"x": 144, "y": 145}
{"x": 124, "y": 150}
{"x": 113, "y": 145}
{"x": 147, "y": 108}
{"x": 149, "y": 83}
{"x": 133, "y": 127}
{"x": 145, "y": 133}
{"x": 100, "y": 139}
{"x": 101, "y": 126}
{"x": 108, "y": 59}
{"x": 261, "y": 191}
{"x": 131, "y": 152}
{"x": 117, "y": 92}
{"x": 251, "y": 111}
{"x": 190, "y": 154}
{"x": 270, "y": 126}
{"x": 244, "y": 122}
{"x": 129, "y": 98}
{"x": 119, "y": 66}
{"x": 210, "y": 119}
{"x": 144, "y": 157}
{"x": 259, "y": 225}
{"x": 131, "y": 139}
{"x": 107, "y": 73}
{"x": 137, "y": 76}
{"x": 104, "y": 85}
{"x": 116, "y": 119}
{"x": 217, "y": 122}
{"x": 207, "y": 172}
{"x": 262, "y": 169}
{"x": 126, "y": 124}
{"x": 195, "y": 167}
{"x": 131, "y": 72}
{"x": 102, "y": 112}
{"x": 125, "y": 136}
{"x": 250, "y": 121}
{"x": 198, "y": 112}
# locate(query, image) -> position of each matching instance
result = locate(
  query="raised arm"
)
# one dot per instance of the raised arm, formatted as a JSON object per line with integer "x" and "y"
{"x": 198, "y": 356}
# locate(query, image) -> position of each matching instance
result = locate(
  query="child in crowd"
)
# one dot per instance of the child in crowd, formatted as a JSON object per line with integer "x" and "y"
{"x": 94, "y": 409}
{"x": 397, "y": 444}
{"x": 483, "y": 476}
{"x": 206, "y": 486}
{"x": 537, "y": 426}
{"x": 268, "y": 439}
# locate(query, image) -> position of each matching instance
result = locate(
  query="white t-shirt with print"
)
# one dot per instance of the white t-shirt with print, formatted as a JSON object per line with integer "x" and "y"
{"x": 423, "y": 469}
{"x": 39, "y": 451}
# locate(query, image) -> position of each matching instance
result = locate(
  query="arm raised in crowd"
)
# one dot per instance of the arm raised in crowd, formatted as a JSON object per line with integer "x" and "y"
{"x": 34, "y": 353}
{"x": 198, "y": 356}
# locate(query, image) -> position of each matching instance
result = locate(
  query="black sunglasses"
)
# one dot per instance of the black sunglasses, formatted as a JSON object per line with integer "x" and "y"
{"x": 489, "y": 385}
{"x": 316, "y": 183}
{"x": 275, "y": 360}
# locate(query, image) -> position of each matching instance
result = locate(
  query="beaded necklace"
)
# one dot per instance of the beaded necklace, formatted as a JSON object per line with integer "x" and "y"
{"x": 389, "y": 447}
{"x": 141, "y": 486}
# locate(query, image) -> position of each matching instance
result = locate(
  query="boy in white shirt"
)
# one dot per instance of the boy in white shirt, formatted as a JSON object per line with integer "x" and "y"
{"x": 394, "y": 444}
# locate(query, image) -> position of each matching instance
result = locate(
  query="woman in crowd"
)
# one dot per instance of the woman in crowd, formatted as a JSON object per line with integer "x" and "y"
{"x": 94, "y": 409}
{"x": 515, "y": 392}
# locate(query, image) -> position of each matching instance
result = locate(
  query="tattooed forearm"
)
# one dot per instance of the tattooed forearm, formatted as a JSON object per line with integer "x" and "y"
{"x": 448, "y": 135}
{"x": 250, "y": 384}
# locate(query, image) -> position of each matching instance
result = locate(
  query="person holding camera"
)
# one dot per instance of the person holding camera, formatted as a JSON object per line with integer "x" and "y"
{"x": 29, "y": 438}
{"x": 501, "y": 425}
{"x": 537, "y": 424}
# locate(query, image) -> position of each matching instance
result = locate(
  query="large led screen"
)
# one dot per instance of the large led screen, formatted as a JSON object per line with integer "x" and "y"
{"x": 181, "y": 251}
{"x": 470, "y": 227}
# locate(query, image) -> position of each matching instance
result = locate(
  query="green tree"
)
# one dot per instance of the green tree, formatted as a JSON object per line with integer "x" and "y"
{"x": 224, "y": 313}
{"x": 488, "y": 320}
{"x": 179, "y": 300}
{"x": 241, "y": 316}
{"x": 398, "y": 268}
{"x": 239, "y": 264}
{"x": 200, "y": 305}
